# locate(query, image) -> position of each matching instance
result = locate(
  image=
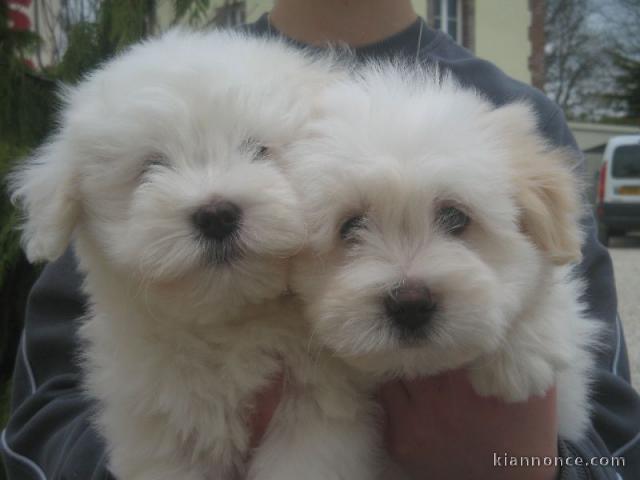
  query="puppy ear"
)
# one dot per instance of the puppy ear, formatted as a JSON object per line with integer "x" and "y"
{"x": 546, "y": 187}
{"x": 43, "y": 188}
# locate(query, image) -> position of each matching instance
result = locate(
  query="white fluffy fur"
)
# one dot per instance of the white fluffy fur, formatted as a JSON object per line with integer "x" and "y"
{"x": 393, "y": 145}
{"x": 175, "y": 345}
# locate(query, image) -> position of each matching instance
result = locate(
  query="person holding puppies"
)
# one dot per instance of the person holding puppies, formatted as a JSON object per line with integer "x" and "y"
{"x": 436, "y": 427}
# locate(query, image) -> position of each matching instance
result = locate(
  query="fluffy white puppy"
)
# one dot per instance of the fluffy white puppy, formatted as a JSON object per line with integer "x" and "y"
{"x": 164, "y": 176}
{"x": 441, "y": 234}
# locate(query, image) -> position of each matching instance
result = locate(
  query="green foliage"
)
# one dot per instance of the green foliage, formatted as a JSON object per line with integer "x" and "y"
{"x": 26, "y": 104}
{"x": 195, "y": 11}
{"x": 80, "y": 56}
{"x": 123, "y": 22}
{"x": 118, "y": 24}
{"x": 14, "y": 44}
{"x": 24, "y": 97}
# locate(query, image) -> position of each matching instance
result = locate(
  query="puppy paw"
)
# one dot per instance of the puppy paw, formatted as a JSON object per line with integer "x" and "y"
{"x": 513, "y": 377}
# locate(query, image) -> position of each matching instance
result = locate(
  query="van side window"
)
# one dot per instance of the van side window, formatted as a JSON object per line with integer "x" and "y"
{"x": 626, "y": 162}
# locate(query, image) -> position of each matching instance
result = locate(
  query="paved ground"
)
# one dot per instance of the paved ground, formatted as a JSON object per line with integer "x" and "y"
{"x": 625, "y": 252}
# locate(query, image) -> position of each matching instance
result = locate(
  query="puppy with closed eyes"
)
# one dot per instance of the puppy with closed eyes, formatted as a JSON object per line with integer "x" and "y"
{"x": 164, "y": 177}
{"x": 442, "y": 234}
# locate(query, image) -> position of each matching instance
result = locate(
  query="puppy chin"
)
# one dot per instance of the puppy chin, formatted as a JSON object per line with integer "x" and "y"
{"x": 222, "y": 291}
{"x": 408, "y": 363}
{"x": 396, "y": 355}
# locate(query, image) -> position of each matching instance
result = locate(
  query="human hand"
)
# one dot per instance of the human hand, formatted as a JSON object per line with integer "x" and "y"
{"x": 439, "y": 427}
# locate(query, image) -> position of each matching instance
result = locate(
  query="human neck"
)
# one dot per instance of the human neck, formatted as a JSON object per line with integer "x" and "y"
{"x": 354, "y": 22}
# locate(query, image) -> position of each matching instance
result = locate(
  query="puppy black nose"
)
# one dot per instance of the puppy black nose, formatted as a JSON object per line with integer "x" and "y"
{"x": 410, "y": 305}
{"x": 218, "y": 220}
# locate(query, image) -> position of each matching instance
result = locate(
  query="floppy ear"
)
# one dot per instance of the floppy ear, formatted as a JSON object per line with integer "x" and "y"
{"x": 43, "y": 188}
{"x": 546, "y": 188}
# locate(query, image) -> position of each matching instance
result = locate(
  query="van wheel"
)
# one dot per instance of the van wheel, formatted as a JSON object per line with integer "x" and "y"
{"x": 603, "y": 235}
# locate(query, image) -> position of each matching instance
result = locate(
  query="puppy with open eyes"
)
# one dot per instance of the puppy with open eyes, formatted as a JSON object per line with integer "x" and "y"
{"x": 442, "y": 233}
{"x": 164, "y": 177}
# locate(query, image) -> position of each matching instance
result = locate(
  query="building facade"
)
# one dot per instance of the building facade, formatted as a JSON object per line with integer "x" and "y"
{"x": 509, "y": 34}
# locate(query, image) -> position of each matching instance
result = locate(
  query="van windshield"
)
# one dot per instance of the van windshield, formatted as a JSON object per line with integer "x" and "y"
{"x": 626, "y": 162}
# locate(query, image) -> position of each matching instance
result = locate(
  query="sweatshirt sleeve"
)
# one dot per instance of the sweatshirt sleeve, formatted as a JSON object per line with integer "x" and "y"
{"x": 615, "y": 430}
{"x": 49, "y": 434}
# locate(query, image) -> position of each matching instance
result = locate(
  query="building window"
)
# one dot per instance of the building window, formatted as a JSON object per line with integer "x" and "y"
{"x": 231, "y": 13}
{"x": 447, "y": 17}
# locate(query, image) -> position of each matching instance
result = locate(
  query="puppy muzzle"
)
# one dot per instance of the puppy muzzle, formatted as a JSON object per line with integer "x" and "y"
{"x": 410, "y": 306}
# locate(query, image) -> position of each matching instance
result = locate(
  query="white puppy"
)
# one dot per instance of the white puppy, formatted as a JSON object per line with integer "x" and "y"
{"x": 441, "y": 231}
{"x": 164, "y": 176}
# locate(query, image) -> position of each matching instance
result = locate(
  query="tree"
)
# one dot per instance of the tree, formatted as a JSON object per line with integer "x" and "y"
{"x": 591, "y": 58}
{"x": 575, "y": 60}
{"x": 625, "y": 56}
{"x": 627, "y": 85}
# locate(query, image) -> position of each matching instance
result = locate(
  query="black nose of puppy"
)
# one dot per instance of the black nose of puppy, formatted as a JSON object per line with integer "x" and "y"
{"x": 217, "y": 220}
{"x": 410, "y": 305}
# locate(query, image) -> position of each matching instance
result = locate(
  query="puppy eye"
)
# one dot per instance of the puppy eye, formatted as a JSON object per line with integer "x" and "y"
{"x": 453, "y": 220}
{"x": 259, "y": 151}
{"x": 351, "y": 225}
{"x": 262, "y": 151}
{"x": 155, "y": 160}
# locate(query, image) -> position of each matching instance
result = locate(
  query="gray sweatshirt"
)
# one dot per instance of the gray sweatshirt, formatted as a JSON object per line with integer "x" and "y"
{"x": 49, "y": 435}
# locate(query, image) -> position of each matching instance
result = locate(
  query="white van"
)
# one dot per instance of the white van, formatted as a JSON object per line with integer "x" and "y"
{"x": 618, "y": 194}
